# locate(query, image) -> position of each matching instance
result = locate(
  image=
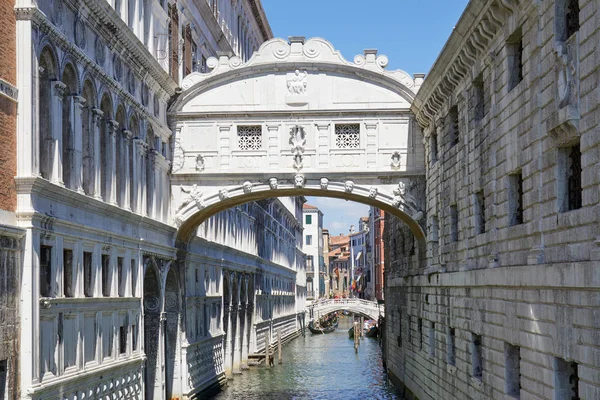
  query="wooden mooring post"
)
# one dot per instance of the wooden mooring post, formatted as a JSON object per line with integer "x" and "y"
{"x": 356, "y": 337}
{"x": 267, "y": 344}
{"x": 279, "y": 355}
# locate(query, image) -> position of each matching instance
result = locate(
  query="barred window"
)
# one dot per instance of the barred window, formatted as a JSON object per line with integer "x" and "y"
{"x": 250, "y": 137}
{"x": 347, "y": 136}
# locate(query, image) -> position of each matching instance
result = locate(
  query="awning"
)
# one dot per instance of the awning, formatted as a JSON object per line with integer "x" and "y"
{"x": 358, "y": 255}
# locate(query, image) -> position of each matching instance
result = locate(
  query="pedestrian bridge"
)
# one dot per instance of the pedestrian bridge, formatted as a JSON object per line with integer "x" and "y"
{"x": 358, "y": 306}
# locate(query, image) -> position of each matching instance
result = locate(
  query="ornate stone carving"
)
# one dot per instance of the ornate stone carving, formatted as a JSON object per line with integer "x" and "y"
{"x": 247, "y": 187}
{"x": 193, "y": 195}
{"x": 200, "y": 163}
{"x": 273, "y": 183}
{"x": 223, "y": 194}
{"x": 297, "y": 83}
{"x": 324, "y": 183}
{"x": 178, "y": 156}
{"x": 299, "y": 181}
{"x": 79, "y": 32}
{"x": 100, "y": 51}
{"x": 298, "y": 141}
{"x": 566, "y": 74}
{"x": 395, "y": 162}
{"x": 349, "y": 186}
{"x": 373, "y": 192}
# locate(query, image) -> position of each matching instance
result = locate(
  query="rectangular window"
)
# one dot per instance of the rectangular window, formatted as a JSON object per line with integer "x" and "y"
{"x": 106, "y": 275}
{"x": 433, "y": 145}
{"x": 45, "y": 271}
{"x": 514, "y": 47}
{"x": 515, "y": 202}
{"x": 432, "y": 339}
{"x": 567, "y": 19}
{"x": 409, "y": 330}
{"x": 187, "y": 50}
{"x": 134, "y": 277}
{"x": 88, "y": 288}
{"x": 120, "y": 277}
{"x": 479, "y": 212}
{"x": 89, "y": 337}
{"x": 512, "y": 370}
{"x": 399, "y": 338}
{"x": 569, "y": 178}
{"x": 122, "y": 339}
{"x": 249, "y": 137}
{"x": 566, "y": 380}
{"x": 476, "y": 356}
{"x": 68, "y": 273}
{"x": 107, "y": 335}
{"x": 174, "y": 42}
{"x": 451, "y": 346}
{"x": 308, "y": 240}
{"x": 453, "y": 223}
{"x": 3, "y": 375}
{"x": 70, "y": 339}
{"x": 308, "y": 219}
{"x": 454, "y": 128}
{"x": 347, "y": 136}
{"x": 134, "y": 337}
{"x": 479, "y": 98}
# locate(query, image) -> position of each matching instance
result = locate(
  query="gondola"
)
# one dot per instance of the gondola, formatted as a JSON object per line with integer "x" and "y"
{"x": 370, "y": 328}
{"x": 320, "y": 330}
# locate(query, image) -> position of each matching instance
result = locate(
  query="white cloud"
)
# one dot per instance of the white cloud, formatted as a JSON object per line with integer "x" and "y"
{"x": 339, "y": 214}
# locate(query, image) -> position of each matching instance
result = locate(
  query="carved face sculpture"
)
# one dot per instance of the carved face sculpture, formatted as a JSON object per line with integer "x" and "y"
{"x": 324, "y": 183}
{"x": 223, "y": 194}
{"x": 349, "y": 186}
{"x": 273, "y": 183}
{"x": 299, "y": 181}
{"x": 247, "y": 186}
{"x": 373, "y": 192}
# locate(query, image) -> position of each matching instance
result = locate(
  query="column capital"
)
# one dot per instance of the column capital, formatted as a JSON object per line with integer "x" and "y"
{"x": 60, "y": 89}
{"x": 113, "y": 126}
{"x": 79, "y": 100}
{"x": 127, "y": 135}
{"x": 97, "y": 116}
{"x": 141, "y": 145}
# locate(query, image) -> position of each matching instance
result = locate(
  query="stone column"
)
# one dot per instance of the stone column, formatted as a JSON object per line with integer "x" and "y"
{"x": 126, "y": 192}
{"x": 227, "y": 363}
{"x": 237, "y": 354}
{"x": 97, "y": 120}
{"x": 77, "y": 129}
{"x": 150, "y": 192}
{"x": 134, "y": 175}
{"x": 244, "y": 333}
{"x": 323, "y": 144}
{"x": 141, "y": 177}
{"x": 111, "y": 178}
{"x": 58, "y": 92}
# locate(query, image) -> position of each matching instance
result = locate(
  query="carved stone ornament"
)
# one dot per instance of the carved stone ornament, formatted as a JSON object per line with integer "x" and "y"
{"x": 100, "y": 51}
{"x": 324, "y": 183}
{"x": 178, "y": 156}
{"x": 223, "y": 194}
{"x": 193, "y": 195}
{"x": 373, "y": 192}
{"x": 200, "y": 163}
{"x": 247, "y": 186}
{"x": 79, "y": 32}
{"x": 298, "y": 162}
{"x": 348, "y": 186}
{"x": 118, "y": 68}
{"x": 566, "y": 74}
{"x": 297, "y": 83}
{"x": 273, "y": 183}
{"x": 299, "y": 181}
{"x": 395, "y": 163}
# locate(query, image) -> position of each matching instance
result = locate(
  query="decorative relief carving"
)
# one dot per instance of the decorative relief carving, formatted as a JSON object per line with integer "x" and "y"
{"x": 79, "y": 32}
{"x": 193, "y": 195}
{"x": 373, "y": 192}
{"x": 395, "y": 163}
{"x": 299, "y": 181}
{"x": 273, "y": 183}
{"x": 312, "y": 49}
{"x": 200, "y": 163}
{"x": 100, "y": 51}
{"x": 298, "y": 141}
{"x": 324, "y": 183}
{"x": 349, "y": 186}
{"x": 281, "y": 50}
{"x": 247, "y": 187}
{"x": 297, "y": 83}
{"x": 178, "y": 156}
{"x": 566, "y": 74}
{"x": 223, "y": 194}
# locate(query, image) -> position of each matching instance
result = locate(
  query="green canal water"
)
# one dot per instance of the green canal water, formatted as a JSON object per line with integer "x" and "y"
{"x": 317, "y": 367}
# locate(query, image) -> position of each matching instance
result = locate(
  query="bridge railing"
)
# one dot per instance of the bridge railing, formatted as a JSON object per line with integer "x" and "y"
{"x": 356, "y": 304}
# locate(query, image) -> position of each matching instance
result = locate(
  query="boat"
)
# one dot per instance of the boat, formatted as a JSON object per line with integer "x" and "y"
{"x": 351, "y": 333}
{"x": 318, "y": 329}
{"x": 370, "y": 328}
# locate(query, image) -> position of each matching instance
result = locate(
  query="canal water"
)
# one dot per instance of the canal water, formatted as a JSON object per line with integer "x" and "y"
{"x": 317, "y": 367}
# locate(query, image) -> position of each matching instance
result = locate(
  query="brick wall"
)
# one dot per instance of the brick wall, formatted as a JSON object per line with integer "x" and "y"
{"x": 527, "y": 287}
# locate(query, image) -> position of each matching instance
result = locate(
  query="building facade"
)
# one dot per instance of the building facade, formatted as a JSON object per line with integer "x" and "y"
{"x": 377, "y": 251}
{"x": 505, "y": 304}
{"x": 313, "y": 248}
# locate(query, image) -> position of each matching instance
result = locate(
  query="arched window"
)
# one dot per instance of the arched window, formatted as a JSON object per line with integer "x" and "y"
{"x": 69, "y": 78}
{"x": 105, "y": 148}
{"x": 47, "y": 73}
{"x": 89, "y": 151}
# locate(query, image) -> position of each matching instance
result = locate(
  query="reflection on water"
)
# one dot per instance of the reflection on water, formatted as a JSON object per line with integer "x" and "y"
{"x": 317, "y": 367}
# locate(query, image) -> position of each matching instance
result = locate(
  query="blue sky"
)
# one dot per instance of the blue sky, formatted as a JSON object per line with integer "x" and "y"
{"x": 410, "y": 33}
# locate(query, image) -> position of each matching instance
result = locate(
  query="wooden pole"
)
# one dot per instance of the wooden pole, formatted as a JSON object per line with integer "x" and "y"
{"x": 267, "y": 349}
{"x": 356, "y": 342}
{"x": 279, "y": 355}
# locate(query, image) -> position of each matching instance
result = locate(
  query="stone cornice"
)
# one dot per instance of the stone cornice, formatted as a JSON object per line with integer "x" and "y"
{"x": 261, "y": 19}
{"x": 467, "y": 44}
{"x": 40, "y": 19}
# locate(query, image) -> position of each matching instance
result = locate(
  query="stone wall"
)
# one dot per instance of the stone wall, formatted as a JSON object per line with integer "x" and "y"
{"x": 505, "y": 305}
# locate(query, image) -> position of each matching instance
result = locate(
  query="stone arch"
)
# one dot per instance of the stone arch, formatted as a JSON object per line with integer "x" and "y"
{"x": 69, "y": 78}
{"x": 89, "y": 149}
{"x": 48, "y": 70}
{"x": 106, "y": 107}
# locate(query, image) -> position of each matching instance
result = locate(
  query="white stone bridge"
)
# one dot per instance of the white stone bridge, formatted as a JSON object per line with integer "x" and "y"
{"x": 358, "y": 306}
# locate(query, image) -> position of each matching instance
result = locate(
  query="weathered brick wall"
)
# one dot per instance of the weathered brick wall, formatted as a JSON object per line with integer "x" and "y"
{"x": 535, "y": 284}
{"x": 9, "y": 313}
{"x": 8, "y": 109}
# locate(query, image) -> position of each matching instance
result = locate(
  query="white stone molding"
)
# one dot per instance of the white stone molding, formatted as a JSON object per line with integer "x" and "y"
{"x": 97, "y": 121}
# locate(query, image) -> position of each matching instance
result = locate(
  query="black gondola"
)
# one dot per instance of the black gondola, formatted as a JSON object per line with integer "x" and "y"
{"x": 317, "y": 330}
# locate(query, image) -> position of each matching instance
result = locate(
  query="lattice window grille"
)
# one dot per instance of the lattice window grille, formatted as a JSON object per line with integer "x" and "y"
{"x": 250, "y": 137}
{"x": 347, "y": 136}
